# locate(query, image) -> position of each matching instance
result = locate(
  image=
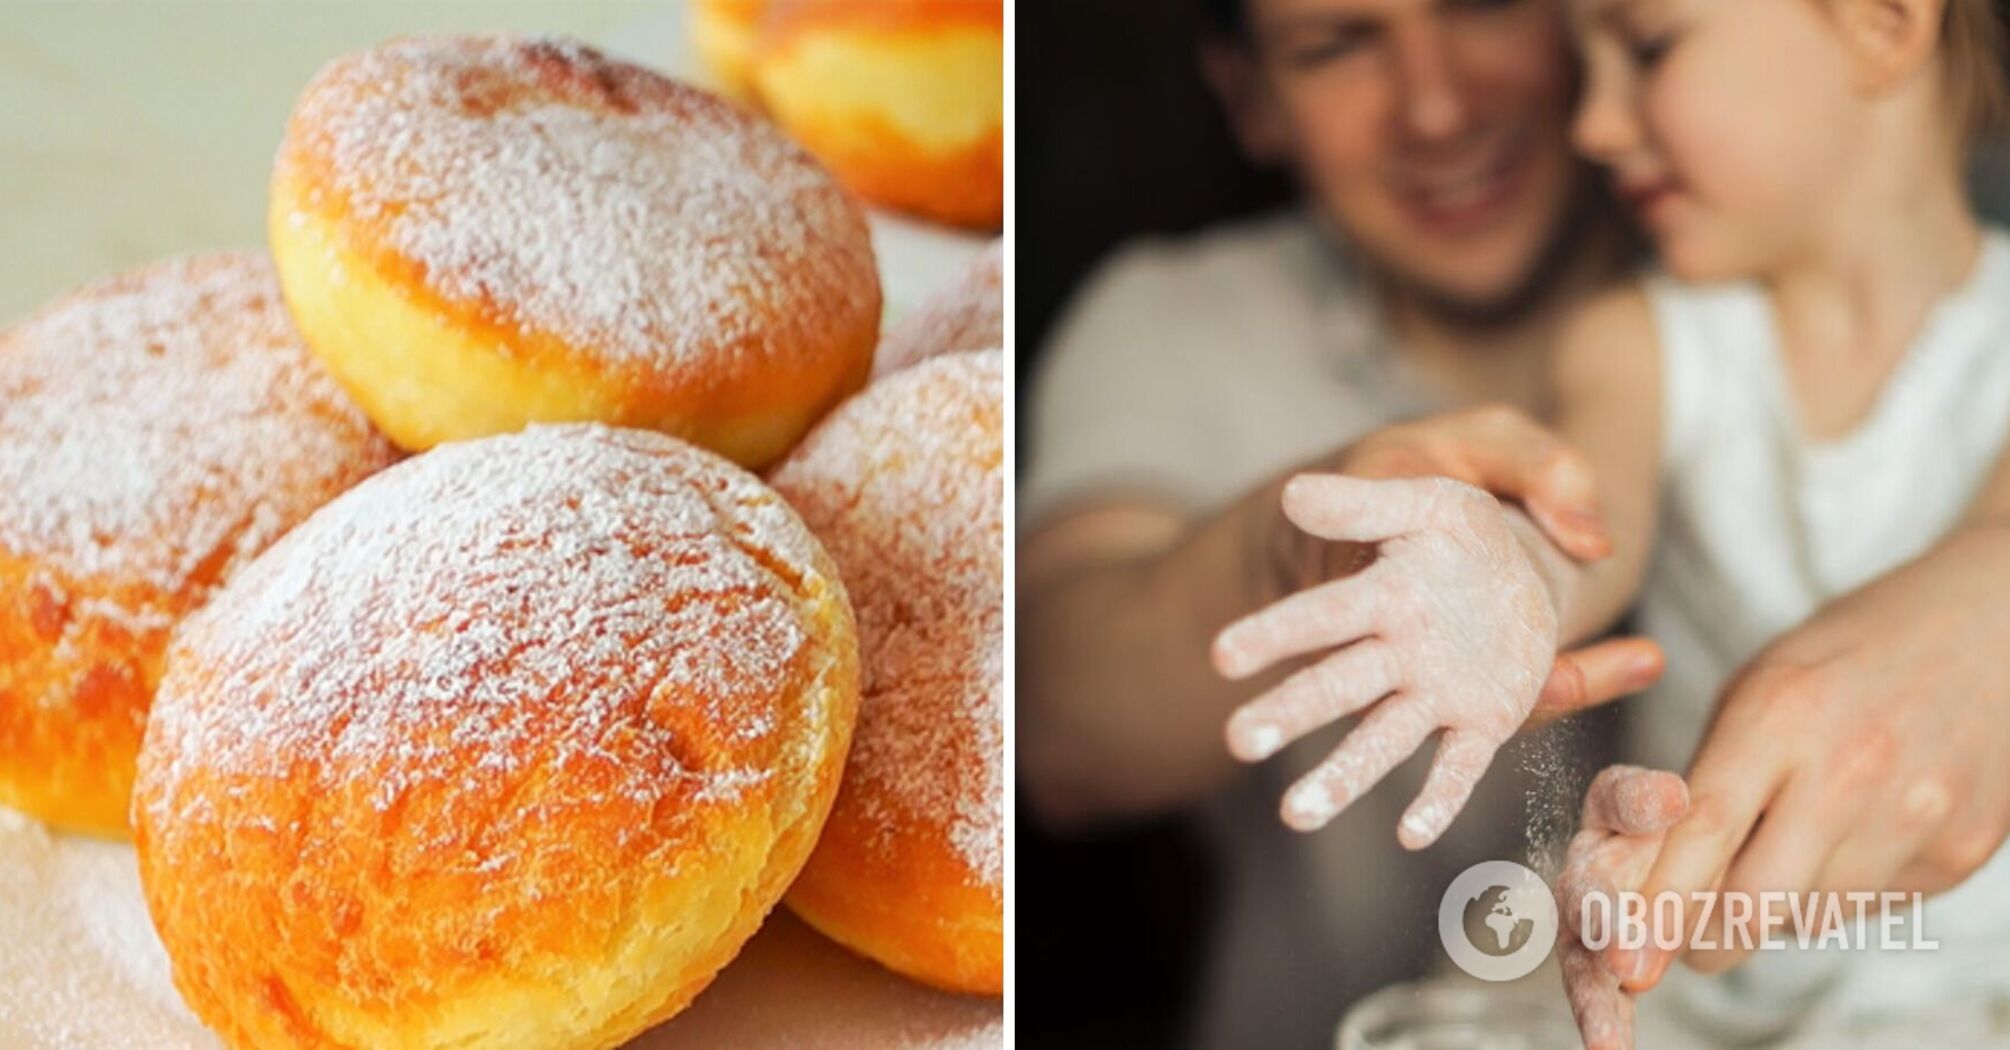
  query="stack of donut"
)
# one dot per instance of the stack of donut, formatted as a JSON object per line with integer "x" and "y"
{"x": 516, "y": 741}
{"x": 904, "y": 99}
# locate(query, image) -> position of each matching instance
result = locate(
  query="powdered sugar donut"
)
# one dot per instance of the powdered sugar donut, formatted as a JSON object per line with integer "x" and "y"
{"x": 964, "y": 316}
{"x": 904, "y": 99}
{"x": 479, "y": 232}
{"x": 514, "y": 744}
{"x": 905, "y": 485}
{"x": 724, "y": 32}
{"x": 157, "y": 431}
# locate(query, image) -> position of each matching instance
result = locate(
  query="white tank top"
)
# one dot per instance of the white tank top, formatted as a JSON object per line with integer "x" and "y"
{"x": 1761, "y": 526}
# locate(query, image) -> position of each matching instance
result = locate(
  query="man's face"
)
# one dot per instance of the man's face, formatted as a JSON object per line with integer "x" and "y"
{"x": 1435, "y": 133}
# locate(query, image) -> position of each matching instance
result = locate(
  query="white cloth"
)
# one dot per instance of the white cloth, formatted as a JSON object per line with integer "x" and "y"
{"x": 1761, "y": 526}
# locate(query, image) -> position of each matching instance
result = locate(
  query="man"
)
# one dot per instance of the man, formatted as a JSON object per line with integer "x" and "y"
{"x": 1445, "y": 232}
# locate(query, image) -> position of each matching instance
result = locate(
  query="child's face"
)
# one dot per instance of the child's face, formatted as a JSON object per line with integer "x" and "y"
{"x": 1724, "y": 123}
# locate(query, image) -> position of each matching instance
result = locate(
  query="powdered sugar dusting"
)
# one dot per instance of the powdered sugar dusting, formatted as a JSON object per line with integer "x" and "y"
{"x": 904, "y": 484}
{"x": 611, "y": 607}
{"x": 964, "y": 316}
{"x": 164, "y": 426}
{"x": 589, "y": 199}
{"x": 81, "y": 966}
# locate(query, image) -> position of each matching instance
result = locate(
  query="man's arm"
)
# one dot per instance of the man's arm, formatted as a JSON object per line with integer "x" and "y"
{"x": 1890, "y": 705}
{"x": 1119, "y": 711}
{"x": 1991, "y": 508}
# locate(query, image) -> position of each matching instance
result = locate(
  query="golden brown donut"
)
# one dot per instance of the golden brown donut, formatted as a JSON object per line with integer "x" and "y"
{"x": 724, "y": 33}
{"x": 479, "y": 232}
{"x": 905, "y": 486}
{"x": 964, "y": 316}
{"x": 904, "y": 99}
{"x": 157, "y": 431}
{"x": 511, "y": 746}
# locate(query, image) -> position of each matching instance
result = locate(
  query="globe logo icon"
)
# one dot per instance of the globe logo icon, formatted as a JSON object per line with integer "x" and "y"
{"x": 1498, "y": 920}
{"x": 1492, "y": 926}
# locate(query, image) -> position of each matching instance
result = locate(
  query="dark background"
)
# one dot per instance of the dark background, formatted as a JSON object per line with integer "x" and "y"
{"x": 1117, "y": 137}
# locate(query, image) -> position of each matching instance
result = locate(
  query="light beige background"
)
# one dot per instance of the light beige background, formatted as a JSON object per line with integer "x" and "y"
{"x": 132, "y": 131}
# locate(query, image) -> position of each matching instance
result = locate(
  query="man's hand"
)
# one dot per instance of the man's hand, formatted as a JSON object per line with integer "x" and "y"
{"x": 1498, "y": 449}
{"x": 1863, "y": 751}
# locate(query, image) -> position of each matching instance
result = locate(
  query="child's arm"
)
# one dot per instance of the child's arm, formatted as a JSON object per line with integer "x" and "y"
{"x": 1608, "y": 391}
{"x": 1455, "y": 625}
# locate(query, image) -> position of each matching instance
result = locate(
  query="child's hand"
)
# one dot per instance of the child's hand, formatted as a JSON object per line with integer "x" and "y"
{"x": 1452, "y": 628}
{"x": 1627, "y": 813}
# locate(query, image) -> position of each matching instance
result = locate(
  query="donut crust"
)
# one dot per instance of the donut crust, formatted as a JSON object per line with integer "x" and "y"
{"x": 725, "y": 33}
{"x": 904, "y": 99}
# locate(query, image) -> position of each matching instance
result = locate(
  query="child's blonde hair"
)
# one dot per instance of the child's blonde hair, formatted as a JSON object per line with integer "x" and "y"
{"x": 1972, "y": 37}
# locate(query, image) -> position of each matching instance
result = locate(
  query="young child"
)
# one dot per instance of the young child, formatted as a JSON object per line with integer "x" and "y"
{"x": 1814, "y": 397}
